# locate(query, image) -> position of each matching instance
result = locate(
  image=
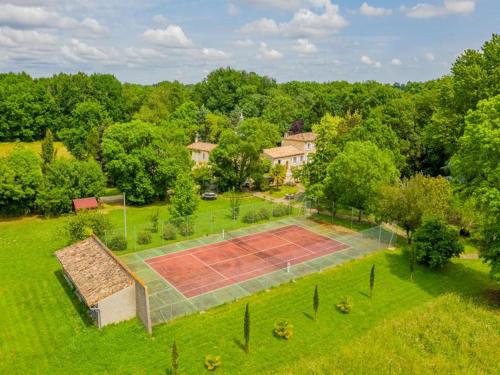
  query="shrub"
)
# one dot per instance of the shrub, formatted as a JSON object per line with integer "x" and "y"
{"x": 186, "y": 228}
{"x": 283, "y": 328}
{"x": 154, "y": 218}
{"x": 345, "y": 305}
{"x": 144, "y": 237}
{"x": 280, "y": 210}
{"x": 250, "y": 217}
{"x": 263, "y": 214}
{"x": 118, "y": 242}
{"x": 434, "y": 244}
{"x": 169, "y": 232}
{"x": 86, "y": 223}
{"x": 212, "y": 362}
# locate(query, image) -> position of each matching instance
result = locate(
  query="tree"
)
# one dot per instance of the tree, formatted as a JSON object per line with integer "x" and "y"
{"x": 355, "y": 176}
{"x": 65, "y": 180}
{"x": 372, "y": 280}
{"x": 476, "y": 173}
{"x": 141, "y": 161}
{"x": 236, "y": 159}
{"x": 82, "y": 137}
{"x": 185, "y": 199}
{"x": 175, "y": 359}
{"x": 161, "y": 101}
{"x": 412, "y": 260}
{"x": 20, "y": 179}
{"x": 434, "y": 244}
{"x": 48, "y": 153}
{"x": 246, "y": 328}
{"x": 234, "y": 203}
{"x": 408, "y": 202}
{"x": 277, "y": 174}
{"x": 86, "y": 223}
{"x": 316, "y": 302}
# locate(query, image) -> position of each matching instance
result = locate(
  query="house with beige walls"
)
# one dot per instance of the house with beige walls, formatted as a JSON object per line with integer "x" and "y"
{"x": 293, "y": 152}
{"x": 200, "y": 152}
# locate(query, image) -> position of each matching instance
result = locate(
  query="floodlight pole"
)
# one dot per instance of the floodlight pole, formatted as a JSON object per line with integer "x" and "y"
{"x": 125, "y": 215}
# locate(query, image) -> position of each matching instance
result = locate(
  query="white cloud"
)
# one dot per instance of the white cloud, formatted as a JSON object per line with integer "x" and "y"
{"x": 31, "y": 38}
{"x": 448, "y": 7}
{"x": 266, "y": 53}
{"x": 305, "y": 46}
{"x": 245, "y": 43}
{"x": 160, "y": 19}
{"x": 170, "y": 37}
{"x": 429, "y": 56}
{"x": 371, "y": 11}
{"x": 78, "y": 51}
{"x": 368, "y": 61}
{"x": 232, "y": 9}
{"x": 29, "y": 16}
{"x": 396, "y": 61}
{"x": 212, "y": 53}
{"x": 304, "y": 23}
{"x": 265, "y": 26}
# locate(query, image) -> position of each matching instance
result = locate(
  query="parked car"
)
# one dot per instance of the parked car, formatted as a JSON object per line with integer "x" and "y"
{"x": 209, "y": 195}
{"x": 290, "y": 196}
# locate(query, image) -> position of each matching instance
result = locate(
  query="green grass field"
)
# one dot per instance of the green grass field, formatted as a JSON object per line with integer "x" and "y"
{"x": 44, "y": 330}
{"x": 7, "y": 147}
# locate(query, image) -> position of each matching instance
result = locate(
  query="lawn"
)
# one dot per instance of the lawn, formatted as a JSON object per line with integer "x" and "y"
{"x": 7, "y": 147}
{"x": 211, "y": 217}
{"x": 43, "y": 329}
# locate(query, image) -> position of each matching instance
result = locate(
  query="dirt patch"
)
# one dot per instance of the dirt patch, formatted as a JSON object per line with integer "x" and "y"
{"x": 337, "y": 228}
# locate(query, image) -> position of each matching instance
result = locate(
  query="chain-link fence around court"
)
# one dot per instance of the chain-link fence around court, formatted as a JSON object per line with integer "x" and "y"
{"x": 165, "y": 230}
{"x": 168, "y": 303}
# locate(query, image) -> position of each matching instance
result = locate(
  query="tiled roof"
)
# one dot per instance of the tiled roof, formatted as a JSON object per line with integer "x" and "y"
{"x": 94, "y": 270}
{"x": 303, "y": 137}
{"x": 282, "y": 152}
{"x": 85, "y": 203}
{"x": 202, "y": 146}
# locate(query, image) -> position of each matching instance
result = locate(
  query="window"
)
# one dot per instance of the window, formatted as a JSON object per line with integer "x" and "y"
{"x": 279, "y": 161}
{"x": 308, "y": 146}
{"x": 301, "y": 158}
{"x": 294, "y": 160}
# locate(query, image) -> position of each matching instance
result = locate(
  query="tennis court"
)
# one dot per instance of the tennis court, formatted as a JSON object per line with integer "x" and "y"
{"x": 206, "y": 268}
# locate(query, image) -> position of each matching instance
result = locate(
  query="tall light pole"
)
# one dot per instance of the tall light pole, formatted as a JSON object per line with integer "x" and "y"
{"x": 125, "y": 215}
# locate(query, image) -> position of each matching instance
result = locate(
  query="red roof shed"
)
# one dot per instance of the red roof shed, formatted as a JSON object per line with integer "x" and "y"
{"x": 85, "y": 203}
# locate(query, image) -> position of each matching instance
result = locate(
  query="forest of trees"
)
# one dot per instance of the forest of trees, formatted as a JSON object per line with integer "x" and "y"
{"x": 133, "y": 136}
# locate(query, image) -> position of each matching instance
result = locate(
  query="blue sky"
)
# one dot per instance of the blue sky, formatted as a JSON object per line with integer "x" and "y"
{"x": 322, "y": 40}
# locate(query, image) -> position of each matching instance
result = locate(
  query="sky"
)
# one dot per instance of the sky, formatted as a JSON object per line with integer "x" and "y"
{"x": 309, "y": 40}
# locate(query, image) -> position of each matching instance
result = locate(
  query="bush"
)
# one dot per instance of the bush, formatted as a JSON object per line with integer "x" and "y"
{"x": 144, "y": 237}
{"x": 169, "y": 232}
{"x": 186, "y": 228}
{"x": 212, "y": 362}
{"x": 118, "y": 242}
{"x": 250, "y": 217}
{"x": 154, "y": 218}
{"x": 280, "y": 210}
{"x": 263, "y": 214}
{"x": 283, "y": 328}
{"x": 86, "y": 223}
{"x": 345, "y": 305}
{"x": 434, "y": 244}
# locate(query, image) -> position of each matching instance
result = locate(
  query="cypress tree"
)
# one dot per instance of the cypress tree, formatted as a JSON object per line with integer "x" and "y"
{"x": 48, "y": 152}
{"x": 372, "y": 280}
{"x": 316, "y": 302}
{"x": 246, "y": 329}
{"x": 175, "y": 359}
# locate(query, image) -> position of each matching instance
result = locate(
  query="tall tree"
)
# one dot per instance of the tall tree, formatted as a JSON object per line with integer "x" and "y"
{"x": 48, "y": 153}
{"x": 413, "y": 199}
{"x": 246, "y": 328}
{"x": 184, "y": 201}
{"x": 355, "y": 176}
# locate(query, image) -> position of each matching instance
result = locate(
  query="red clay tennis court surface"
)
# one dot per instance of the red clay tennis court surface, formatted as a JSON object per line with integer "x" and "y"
{"x": 203, "y": 269}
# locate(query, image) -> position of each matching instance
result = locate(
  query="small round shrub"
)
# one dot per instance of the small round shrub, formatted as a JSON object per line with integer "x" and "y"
{"x": 283, "y": 328}
{"x": 118, "y": 242}
{"x": 345, "y": 305}
{"x": 280, "y": 210}
{"x": 250, "y": 217}
{"x": 169, "y": 232}
{"x": 212, "y": 362}
{"x": 263, "y": 214}
{"x": 144, "y": 237}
